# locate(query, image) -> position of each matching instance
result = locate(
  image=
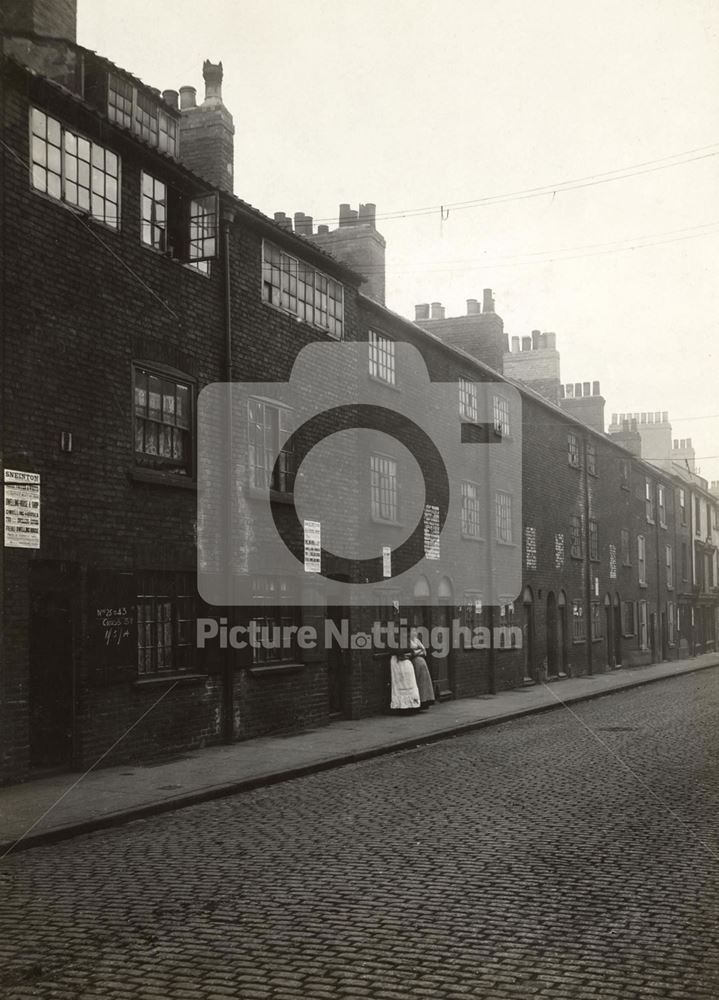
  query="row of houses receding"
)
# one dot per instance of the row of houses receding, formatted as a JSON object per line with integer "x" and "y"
{"x": 133, "y": 279}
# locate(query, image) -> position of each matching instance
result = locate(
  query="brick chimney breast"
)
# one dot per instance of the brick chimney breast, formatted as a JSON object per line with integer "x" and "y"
{"x": 207, "y": 131}
{"x": 56, "y": 18}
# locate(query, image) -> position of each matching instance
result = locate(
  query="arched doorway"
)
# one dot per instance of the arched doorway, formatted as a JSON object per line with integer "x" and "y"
{"x": 608, "y": 631}
{"x": 528, "y": 635}
{"x": 562, "y": 647}
{"x": 552, "y": 636}
{"x": 421, "y": 599}
{"x": 441, "y": 666}
{"x": 617, "y": 631}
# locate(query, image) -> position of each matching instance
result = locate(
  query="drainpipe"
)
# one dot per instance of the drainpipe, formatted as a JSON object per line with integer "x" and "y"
{"x": 229, "y": 667}
{"x": 588, "y": 565}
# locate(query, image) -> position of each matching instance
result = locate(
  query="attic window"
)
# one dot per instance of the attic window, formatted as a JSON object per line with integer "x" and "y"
{"x": 141, "y": 111}
{"x": 297, "y": 288}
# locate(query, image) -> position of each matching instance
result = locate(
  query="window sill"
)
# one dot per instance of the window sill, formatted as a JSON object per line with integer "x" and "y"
{"x": 160, "y": 679}
{"x": 643, "y": 585}
{"x": 276, "y": 669}
{"x": 277, "y": 496}
{"x": 471, "y": 538}
{"x": 506, "y": 545}
{"x": 158, "y": 478}
{"x": 298, "y": 319}
{"x": 390, "y": 524}
{"x": 380, "y": 381}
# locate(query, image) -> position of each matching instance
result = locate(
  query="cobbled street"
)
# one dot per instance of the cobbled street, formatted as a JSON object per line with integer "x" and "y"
{"x": 570, "y": 854}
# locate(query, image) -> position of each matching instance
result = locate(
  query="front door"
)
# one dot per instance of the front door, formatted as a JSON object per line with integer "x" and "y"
{"x": 617, "y": 636}
{"x": 440, "y": 665}
{"x": 609, "y": 632}
{"x": 52, "y": 683}
{"x": 337, "y": 668}
{"x": 528, "y": 638}
{"x": 553, "y": 631}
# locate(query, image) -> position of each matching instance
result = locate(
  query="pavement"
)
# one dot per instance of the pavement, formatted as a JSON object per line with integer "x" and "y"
{"x": 65, "y": 805}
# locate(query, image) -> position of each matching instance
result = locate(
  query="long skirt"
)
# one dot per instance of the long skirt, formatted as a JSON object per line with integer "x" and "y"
{"x": 424, "y": 680}
{"x": 405, "y": 693}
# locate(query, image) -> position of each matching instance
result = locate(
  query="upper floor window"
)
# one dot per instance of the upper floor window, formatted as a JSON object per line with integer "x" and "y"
{"x": 299, "y": 289}
{"x": 272, "y": 463}
{"x": 382, "y": 357}
{"x": 503, "y": 517}
{"x": 74, "y": 170}
{"x": 649, "y": 500}
{"x": 624, "y": 473}
{"x": 575, "y": 536}
{"x": 596, "y": 624}
{"x": 670, "y": 567}
{"x": 591, "y": 458}
{"x": 698, "y": 516}
{"x": 136, "y": 109}
{"x": 154, "y": 212}
{"x": 624, "y": 545}
{"x": 163, "y": 422}
{"x": 641, "y": 560}
{"x": 593, "y": 540}
{"x": 683, "y": 506}
{"x": 383, "y": 488}
{"x": 471, "y": 526}
{"x": 578, "y": 625}
{"x": 573, "y": 449}
{"x": 500, "y": 413}
{"x": 468, "y": 401}
{"x": 661, "y": 504}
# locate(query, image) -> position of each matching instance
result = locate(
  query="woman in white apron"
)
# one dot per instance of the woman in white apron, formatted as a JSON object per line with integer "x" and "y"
{"x": 405, "y": 693}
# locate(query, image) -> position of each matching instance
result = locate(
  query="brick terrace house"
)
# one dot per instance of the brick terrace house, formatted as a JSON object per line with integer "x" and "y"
{"x": 132, "y": 278}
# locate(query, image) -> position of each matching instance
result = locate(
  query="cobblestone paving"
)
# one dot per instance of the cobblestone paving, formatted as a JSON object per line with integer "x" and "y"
{"x": 523, "y": 861}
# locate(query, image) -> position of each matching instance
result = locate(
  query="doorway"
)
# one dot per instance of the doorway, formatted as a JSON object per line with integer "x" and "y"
{"x": 609, "y": 632}
{"x": 528, "y": 636}
{"x": 53, "y": 586}
{"x": 552, "y": 636}
{"x": 562, "y": 634}
{"x": 617, "y": 631}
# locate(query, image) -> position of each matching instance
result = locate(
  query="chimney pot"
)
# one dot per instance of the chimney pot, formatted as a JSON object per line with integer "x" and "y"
{"x": 323, "y": 230}
{"x": 535, "y": 339}
{"x": 421, "y": 311}
{"x": 472, "y": 307}
{"x": 578, "y": 389}
{"x": 171, "y": 97}
{"x": 436, "y": 310}
{"x": 487, "y": 300}
{"x": 188, "y": 97}
{"x": 561, "y": 392}
{"x": 595, "y": 389}
{"x": 367, "y": 214}
{"x": 526, "y": 343}
{"x": 212, "y": 75}
{"x": 587, "y": 388}
{"x": 515, "y": 345}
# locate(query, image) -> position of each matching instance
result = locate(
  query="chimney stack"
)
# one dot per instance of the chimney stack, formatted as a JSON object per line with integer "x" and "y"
{"x": 357, "y": 244}
{"x": 421, "y": 311}
{"x": 487, "y": 301}
{"x": 207, "y": 132}
{"x": 55, "y": 18}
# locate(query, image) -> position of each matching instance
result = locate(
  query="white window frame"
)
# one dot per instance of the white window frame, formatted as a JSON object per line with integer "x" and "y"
{"x": 642, "y": 560}
{"x": 468, "y": 399}
{"x": 382, "y": 358}
{"x": 503, "y": 514}
{"x": 669, "y": 562}
{"x": 500, "y": 415}
{"x": 471, "y": 512}
{"x": 86, "y": 177}
{"x": 272, "y": 421}
{"x": 573, "y": 450}
{"x": 384, "y": 488}
{"x": 295, "y": 287}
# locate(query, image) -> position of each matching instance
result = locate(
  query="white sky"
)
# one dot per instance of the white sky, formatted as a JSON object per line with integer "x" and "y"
{"x": 411, "y": 104}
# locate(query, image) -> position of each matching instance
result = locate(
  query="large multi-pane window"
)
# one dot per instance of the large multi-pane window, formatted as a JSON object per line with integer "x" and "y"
{"x": 301, "y": 290}
{"x": 163, "y": 422}
{"x": 154, "y": 212}
{"x": 468, "y": 401}
{"x": 382, "y": 358}
{"x": 274, "y": 612}
{"x": 74, "y": 170}
{"x": 383, "y": 488}
{"x": 591, "y": 458}
{"x": 628, "y": 616}
{"x": 649, "y": 500}
{"x": 136, "y": 109}
{"x": 573, "y": 449}
{"x": 503, "y": 517}
{"x": 471, "y": 526}
{"x": 500, "y": 415}
{"x": 643, "y": 625}
{"x": 166, "y": 623}
{"x": 272, "y": 463}
{"x": 641, "y": 560}
{"x": 576, "y": 548}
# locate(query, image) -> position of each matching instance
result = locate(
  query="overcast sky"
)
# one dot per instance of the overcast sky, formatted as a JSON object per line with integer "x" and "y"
{"x": 413, "y": 104}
